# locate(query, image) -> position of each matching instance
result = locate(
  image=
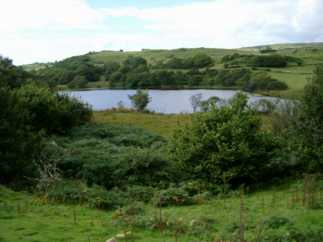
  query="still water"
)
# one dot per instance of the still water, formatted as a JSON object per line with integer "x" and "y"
{"x": 162, "y": 101}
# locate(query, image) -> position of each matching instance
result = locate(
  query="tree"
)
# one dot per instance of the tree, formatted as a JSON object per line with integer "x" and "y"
{"x": 78, "y": 82}
{"x": 140, "y": 100}
{"x": 210, "y": 103}
{"x": 19, "y": 142}
{"x": 11, "y": 75}
{"x": 196, "y": 101}
{"x": 226, "y": 144}
{"x": 307, "y": 128}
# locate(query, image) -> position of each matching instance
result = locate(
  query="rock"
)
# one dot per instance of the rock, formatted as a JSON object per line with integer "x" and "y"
{"x": 124, "y": 235}
{"x": 111, "y": 240}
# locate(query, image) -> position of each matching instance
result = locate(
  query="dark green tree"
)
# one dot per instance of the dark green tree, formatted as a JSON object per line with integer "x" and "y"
{"x": 225, "y": 145}
{"x": 140, "y": 100}
{"x": 307, "y": 128}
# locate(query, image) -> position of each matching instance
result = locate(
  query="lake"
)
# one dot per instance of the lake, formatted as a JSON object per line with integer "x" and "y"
{"x": 162, "y": 101}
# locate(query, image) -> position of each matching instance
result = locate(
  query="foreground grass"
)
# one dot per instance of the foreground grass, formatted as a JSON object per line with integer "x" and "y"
{"x": 24, "y": 217}
{"x": 160, "y": 124}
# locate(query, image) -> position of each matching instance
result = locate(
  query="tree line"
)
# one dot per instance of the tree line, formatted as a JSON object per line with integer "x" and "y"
{"x": 136, "y": 73}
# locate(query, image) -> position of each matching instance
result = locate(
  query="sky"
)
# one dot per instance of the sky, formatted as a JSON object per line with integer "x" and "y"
{"x": 47, "y": 30}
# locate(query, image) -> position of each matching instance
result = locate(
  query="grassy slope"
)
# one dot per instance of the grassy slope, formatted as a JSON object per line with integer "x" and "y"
{"x": 295, "y": 77}
{"x": 27, "y": 218}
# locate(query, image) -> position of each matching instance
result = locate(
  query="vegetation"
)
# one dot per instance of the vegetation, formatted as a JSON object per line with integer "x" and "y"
{"x": 194, "y": 62}
{"x": 160, "y": 124}
{"x": 271, "y": 61}
{"x": 29, "y": 112}
{"x": 140, "y": 100}
{"x": 307, "y": 127}
{"x": 301, "y": 59}
{"x": 155, "y": 187}
{"x": 222, "y": 146}
{"x": 276, "y": 214}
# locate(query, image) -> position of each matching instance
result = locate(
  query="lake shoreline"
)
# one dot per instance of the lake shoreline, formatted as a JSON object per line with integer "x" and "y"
{"x": 162, "y": 101}
{"x": 260, "y": 93}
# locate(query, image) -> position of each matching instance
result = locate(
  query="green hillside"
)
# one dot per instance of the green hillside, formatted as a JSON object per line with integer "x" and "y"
{"x": 104, "y": 73}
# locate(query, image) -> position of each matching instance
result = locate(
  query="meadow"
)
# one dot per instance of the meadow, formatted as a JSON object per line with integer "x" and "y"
{"x": 160, "y": 124}
{"x": 276, "y": 214}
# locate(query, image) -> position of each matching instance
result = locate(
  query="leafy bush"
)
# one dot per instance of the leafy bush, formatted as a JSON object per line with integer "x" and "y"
{"x": 194, "y": 62}
{"x": 273, "y": 60}
{"x": 269, "y": 61}
{"x": 186, "y": 193}
{"x": 140, "y": 100}
{"x": 20, "y": 144}
{"x": 226, "y": 145}
{"x": 114, "y": 156}
{"x": 307, "y": 126}
{"x": 140, "y": 193}
{"x": 262, "y": 81}
{"x": 172, "y": 196}
{"x": 28, "y": 113}
{"x": 77, "y": 192}
{"x": 11, "y": 76}
{"x": 68, "y": 192}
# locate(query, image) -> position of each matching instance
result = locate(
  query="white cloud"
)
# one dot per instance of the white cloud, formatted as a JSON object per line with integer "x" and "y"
{"x": 46, "y": 30}
{"x": 24, "y": 15}
{"x": 234, "y": 23}
{"x": 43, "y": 30}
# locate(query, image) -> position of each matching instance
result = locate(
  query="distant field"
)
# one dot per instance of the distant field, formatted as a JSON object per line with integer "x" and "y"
{"x": 161, "y": 124}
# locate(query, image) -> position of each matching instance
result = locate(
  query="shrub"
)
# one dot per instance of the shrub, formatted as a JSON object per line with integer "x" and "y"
{"x": 275, "y": 222}
{"x": 172, "y": 196}
{"x": 68, "y": 191}
{"x": 140, "y": 193}
{"x": 114, "y": 156}
{"x": 140, "y": 100}
{"x": 50, "y": 112}
{"x": 226, "y": 145}
{"x": 11, "y": 76}
{"x": 20, "y": 144}
{"x": 194, "y": 62}
{"x": 269, "y": 61}
{"x": 77, "y": 192}
{"x": 307, "y": 126}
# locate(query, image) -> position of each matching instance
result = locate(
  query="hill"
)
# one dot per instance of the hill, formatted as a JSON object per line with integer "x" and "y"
{"x": 294, "y": 76}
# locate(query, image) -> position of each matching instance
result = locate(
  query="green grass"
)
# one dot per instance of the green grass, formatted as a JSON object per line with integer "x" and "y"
{"x": 24, "y": 217}
{"x": 27, "y": 218}
{"x": 294, "y": 76}
{"x": 160, "y": 124}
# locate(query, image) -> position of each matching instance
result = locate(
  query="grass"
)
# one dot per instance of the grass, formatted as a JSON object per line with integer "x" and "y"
{"x": 24, "y": 217}
{"x": 295, "y": 77}
{"x": 160, "y": 124}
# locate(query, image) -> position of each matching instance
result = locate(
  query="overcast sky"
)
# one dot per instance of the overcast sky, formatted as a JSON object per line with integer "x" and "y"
{"x": 48, "y": 30}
